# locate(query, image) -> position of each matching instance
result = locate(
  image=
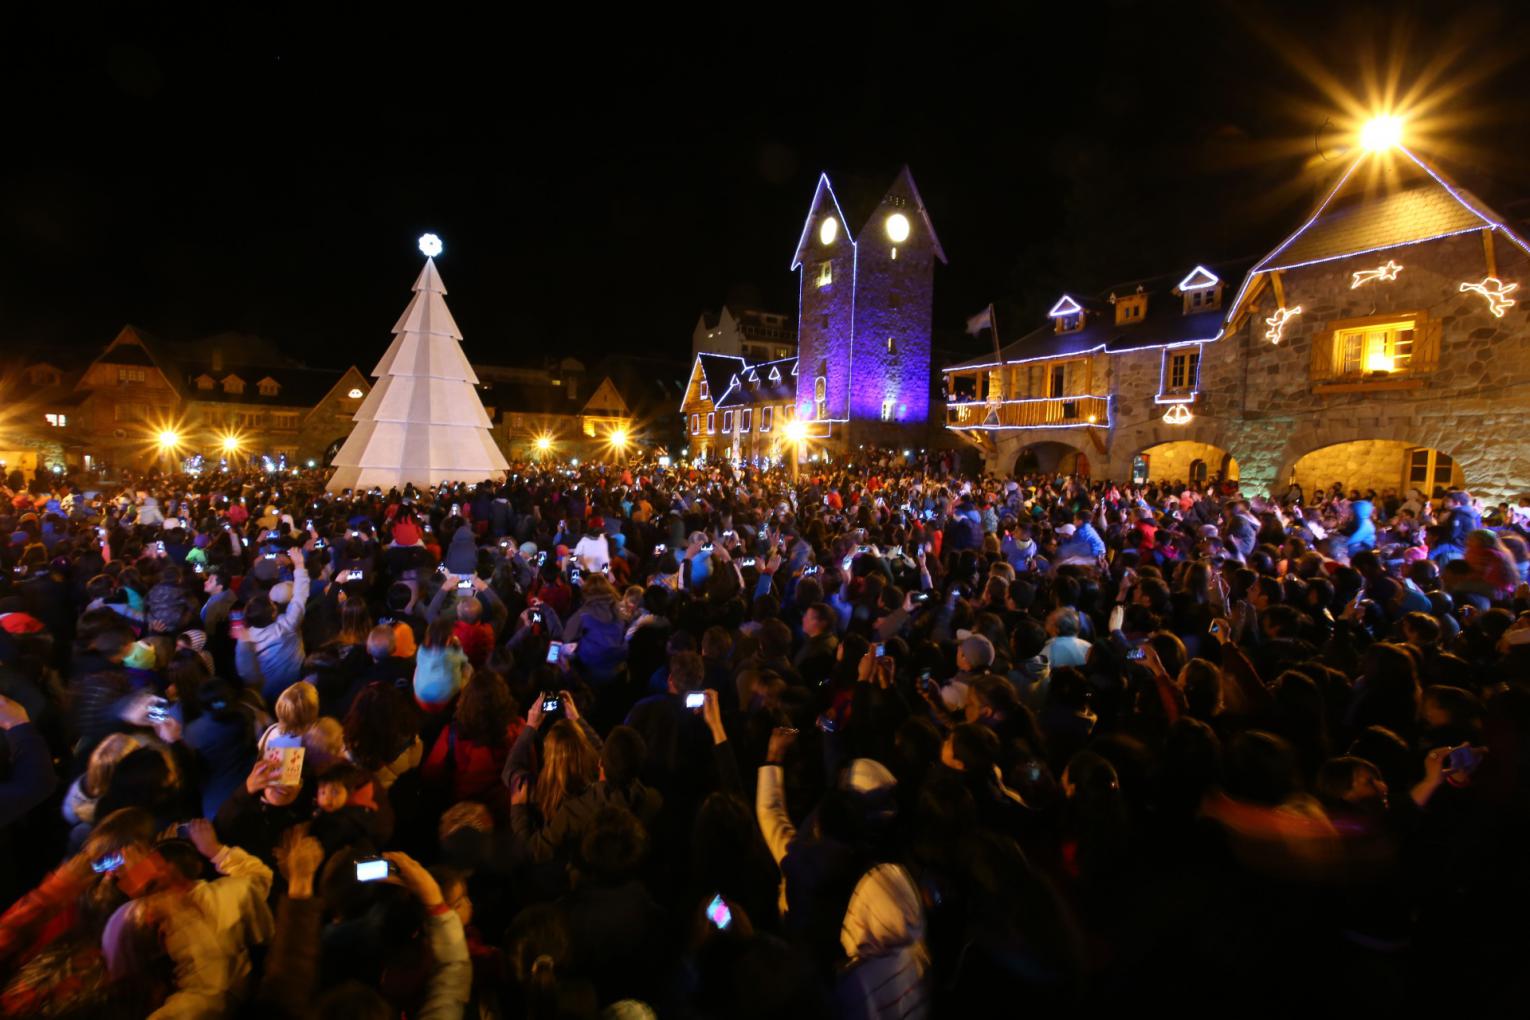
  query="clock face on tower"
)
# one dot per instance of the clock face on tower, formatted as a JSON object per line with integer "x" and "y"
{"x": 897, "y": 228}
{"x": 828, "y": 230}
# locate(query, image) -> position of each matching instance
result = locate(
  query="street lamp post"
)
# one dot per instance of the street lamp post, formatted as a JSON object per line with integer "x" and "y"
{"x": 796, "y": 432}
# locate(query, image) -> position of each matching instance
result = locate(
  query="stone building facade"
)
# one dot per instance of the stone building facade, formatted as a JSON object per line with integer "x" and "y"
{"x": 863, "y": 336}
{"x": 1379, "y": 346}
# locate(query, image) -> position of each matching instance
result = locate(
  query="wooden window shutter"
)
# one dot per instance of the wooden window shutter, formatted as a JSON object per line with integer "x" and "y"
{"x": 1426, "y": 345}
{"x": 1323, "y": 355}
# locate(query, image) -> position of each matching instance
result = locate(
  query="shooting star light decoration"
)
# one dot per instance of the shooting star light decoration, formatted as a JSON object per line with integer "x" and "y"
{"x": 1386, "y": 274}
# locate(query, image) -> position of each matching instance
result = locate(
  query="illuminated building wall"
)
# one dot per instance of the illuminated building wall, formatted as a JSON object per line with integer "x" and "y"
{"x": 864, "y": 330}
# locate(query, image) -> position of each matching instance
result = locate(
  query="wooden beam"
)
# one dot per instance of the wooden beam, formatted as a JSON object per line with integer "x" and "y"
{"x": 1488, "y": 253}
{"x": 1280, "y": 291}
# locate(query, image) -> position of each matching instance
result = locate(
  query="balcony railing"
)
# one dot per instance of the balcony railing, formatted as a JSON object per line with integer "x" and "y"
{"x": 1037, "y": 412}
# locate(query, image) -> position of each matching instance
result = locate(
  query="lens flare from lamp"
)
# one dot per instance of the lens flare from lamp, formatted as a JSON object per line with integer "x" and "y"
{"x": 543, "y": 443}
{"x": 1383, "y": 132}
{"x": 430, "y": 245}
{"x": 169, "y": 439}
{"x": 230, "y": 444}
{"x": 618, "y": 438}
{"x": 796, "y": 431}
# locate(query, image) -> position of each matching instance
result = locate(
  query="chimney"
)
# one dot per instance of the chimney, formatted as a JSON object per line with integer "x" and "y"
{"x": 217, "y": 359}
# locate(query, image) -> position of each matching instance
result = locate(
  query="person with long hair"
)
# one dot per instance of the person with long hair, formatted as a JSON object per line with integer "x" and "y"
{"x": 469, "y": 754}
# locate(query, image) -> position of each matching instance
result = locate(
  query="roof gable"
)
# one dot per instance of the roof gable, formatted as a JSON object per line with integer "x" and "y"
{"x": 1383, "y": 200}
{"x": 823, "y": 200}
{"x": 903, "y": 187}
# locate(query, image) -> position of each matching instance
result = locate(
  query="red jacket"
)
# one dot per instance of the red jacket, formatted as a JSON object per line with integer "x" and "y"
{"x": 475, "y": 769}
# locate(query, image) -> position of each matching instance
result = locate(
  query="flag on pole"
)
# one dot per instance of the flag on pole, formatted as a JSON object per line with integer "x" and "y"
{"x": 981, "y": 321}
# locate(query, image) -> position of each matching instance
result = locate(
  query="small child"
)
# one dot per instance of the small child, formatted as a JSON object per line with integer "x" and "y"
{"x": 325, "y": 743}
{"x": 297, "y": 709}
{"x": 347, "y": 811}
{"x": 441, "y": 669}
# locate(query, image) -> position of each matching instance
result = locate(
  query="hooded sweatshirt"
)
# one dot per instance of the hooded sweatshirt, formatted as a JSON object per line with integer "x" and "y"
{"x": 883, "y": 936}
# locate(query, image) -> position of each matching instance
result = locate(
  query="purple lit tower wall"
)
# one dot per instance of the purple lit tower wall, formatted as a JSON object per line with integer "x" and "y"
{"x": 864, "y": 327}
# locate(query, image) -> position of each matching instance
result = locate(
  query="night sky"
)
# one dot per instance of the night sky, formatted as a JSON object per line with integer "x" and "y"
{"x": 596, "y": 192}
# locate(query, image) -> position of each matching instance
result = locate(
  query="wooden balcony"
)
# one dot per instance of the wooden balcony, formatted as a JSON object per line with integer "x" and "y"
{"x": 1083, "y": 411}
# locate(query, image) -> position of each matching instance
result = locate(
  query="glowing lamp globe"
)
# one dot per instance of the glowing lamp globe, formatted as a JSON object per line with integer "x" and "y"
{"x": 230, "y": 444}
{"x": 796, "y": 431}
{"x": 619, "y": 438}
{"x": 544, "y": 443}
{"x": 169, "y": 438}
{"x": 1381, "y": 133}
{"x": 897, "y": 228}
{"x": 430, "y": 245}
{"x": 828, "y": 230}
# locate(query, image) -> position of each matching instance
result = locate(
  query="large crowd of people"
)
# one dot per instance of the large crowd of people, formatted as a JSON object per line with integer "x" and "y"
{"x": 880, "y": 741}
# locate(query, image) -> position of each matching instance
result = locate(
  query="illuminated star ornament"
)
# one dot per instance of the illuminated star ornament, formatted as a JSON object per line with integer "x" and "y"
{"x": 1497, "y": 293}
{"x": 1386, "y": 274}
{"x": 1179, "y": 414}
{"x": 1277, "y": 322}
{"x": 430, "y": 245}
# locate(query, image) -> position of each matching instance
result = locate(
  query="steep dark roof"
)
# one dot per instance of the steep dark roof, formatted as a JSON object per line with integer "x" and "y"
{"x": 532, "y": 398}
{"x": 649, "y": 386}
{"x": 296, "y": 387}
{"x": 756, "y": 387}
{"x": 1381, "y": 206}
{"x": 718, "y": 370}
{"x": 128, "y": 354}
{"x": 1165, "y": 321}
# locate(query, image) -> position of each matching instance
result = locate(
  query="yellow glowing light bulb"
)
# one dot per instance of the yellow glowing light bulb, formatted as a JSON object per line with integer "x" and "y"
{"x": 619, "y": 438}
{"x": 796, "y": 431}
{"x": 169, "y": 438}
{"x": 897, "y": 228}
{"x": 544, "y": 443}
{"x": 1381, "y": 132}
{"x": 230, "y": 444}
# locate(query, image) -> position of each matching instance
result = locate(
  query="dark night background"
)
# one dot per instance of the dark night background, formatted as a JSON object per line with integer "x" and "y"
{"x": 595, "y": 193}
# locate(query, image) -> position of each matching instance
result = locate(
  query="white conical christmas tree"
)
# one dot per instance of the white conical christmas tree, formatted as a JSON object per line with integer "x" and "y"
{"x": 423, "y": 422}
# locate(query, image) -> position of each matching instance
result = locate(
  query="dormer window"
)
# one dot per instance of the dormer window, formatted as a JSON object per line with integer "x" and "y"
{"x": 268, "y": 387}
{"x": 233, "y": 384}
{"x": 1205, "y": 300}
{"x": 1201, "y": 290}
{"x": 1067, "y": 315}
{"x": 205, "y": 381}
{"x": 1130, "y": 308}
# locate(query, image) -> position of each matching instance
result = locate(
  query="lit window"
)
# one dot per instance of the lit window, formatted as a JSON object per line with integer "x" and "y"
{"x": 887, "y": 410}
{"x": 727, "y": 421}
{"x": 1387, "y": 347}
{"x": 711, "y": 422}
{"x": 1183, "y": 375}
{"x": 765, "y": 418}
{"x": 58, "y": 421}
{"x": 131, "y": 375}
{"x": 705, "y": 393}
{"x": 892, "y": 347}
{"x": 233, "y": 384}
{"x": 589, "y": 428}
{"x": 1131, "y": 308}
{"x": 820, "y": 390}
{"x": 825, "y": 273}
{"x": 695, "y": 424}
{"x": 268, "y": 387}
{"x": 745, "y": 419}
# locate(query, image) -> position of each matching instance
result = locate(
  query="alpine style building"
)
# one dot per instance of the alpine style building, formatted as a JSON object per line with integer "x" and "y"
{"x": 1380, "y": 345}
{"x": 862, "y": 373}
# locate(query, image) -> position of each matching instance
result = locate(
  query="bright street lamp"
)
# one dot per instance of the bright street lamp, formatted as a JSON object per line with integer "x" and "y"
{"x": 1383, "y": 132}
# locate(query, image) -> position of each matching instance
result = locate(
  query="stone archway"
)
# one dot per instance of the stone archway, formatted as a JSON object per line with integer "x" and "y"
{"x": 1185, "y": 460}
{"x": 1378, "y": 464}
{"x": 1052, "y": 458}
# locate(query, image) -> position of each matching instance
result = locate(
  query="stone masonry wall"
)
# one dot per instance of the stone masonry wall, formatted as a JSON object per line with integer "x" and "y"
{"x": 1258, "y": 400}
